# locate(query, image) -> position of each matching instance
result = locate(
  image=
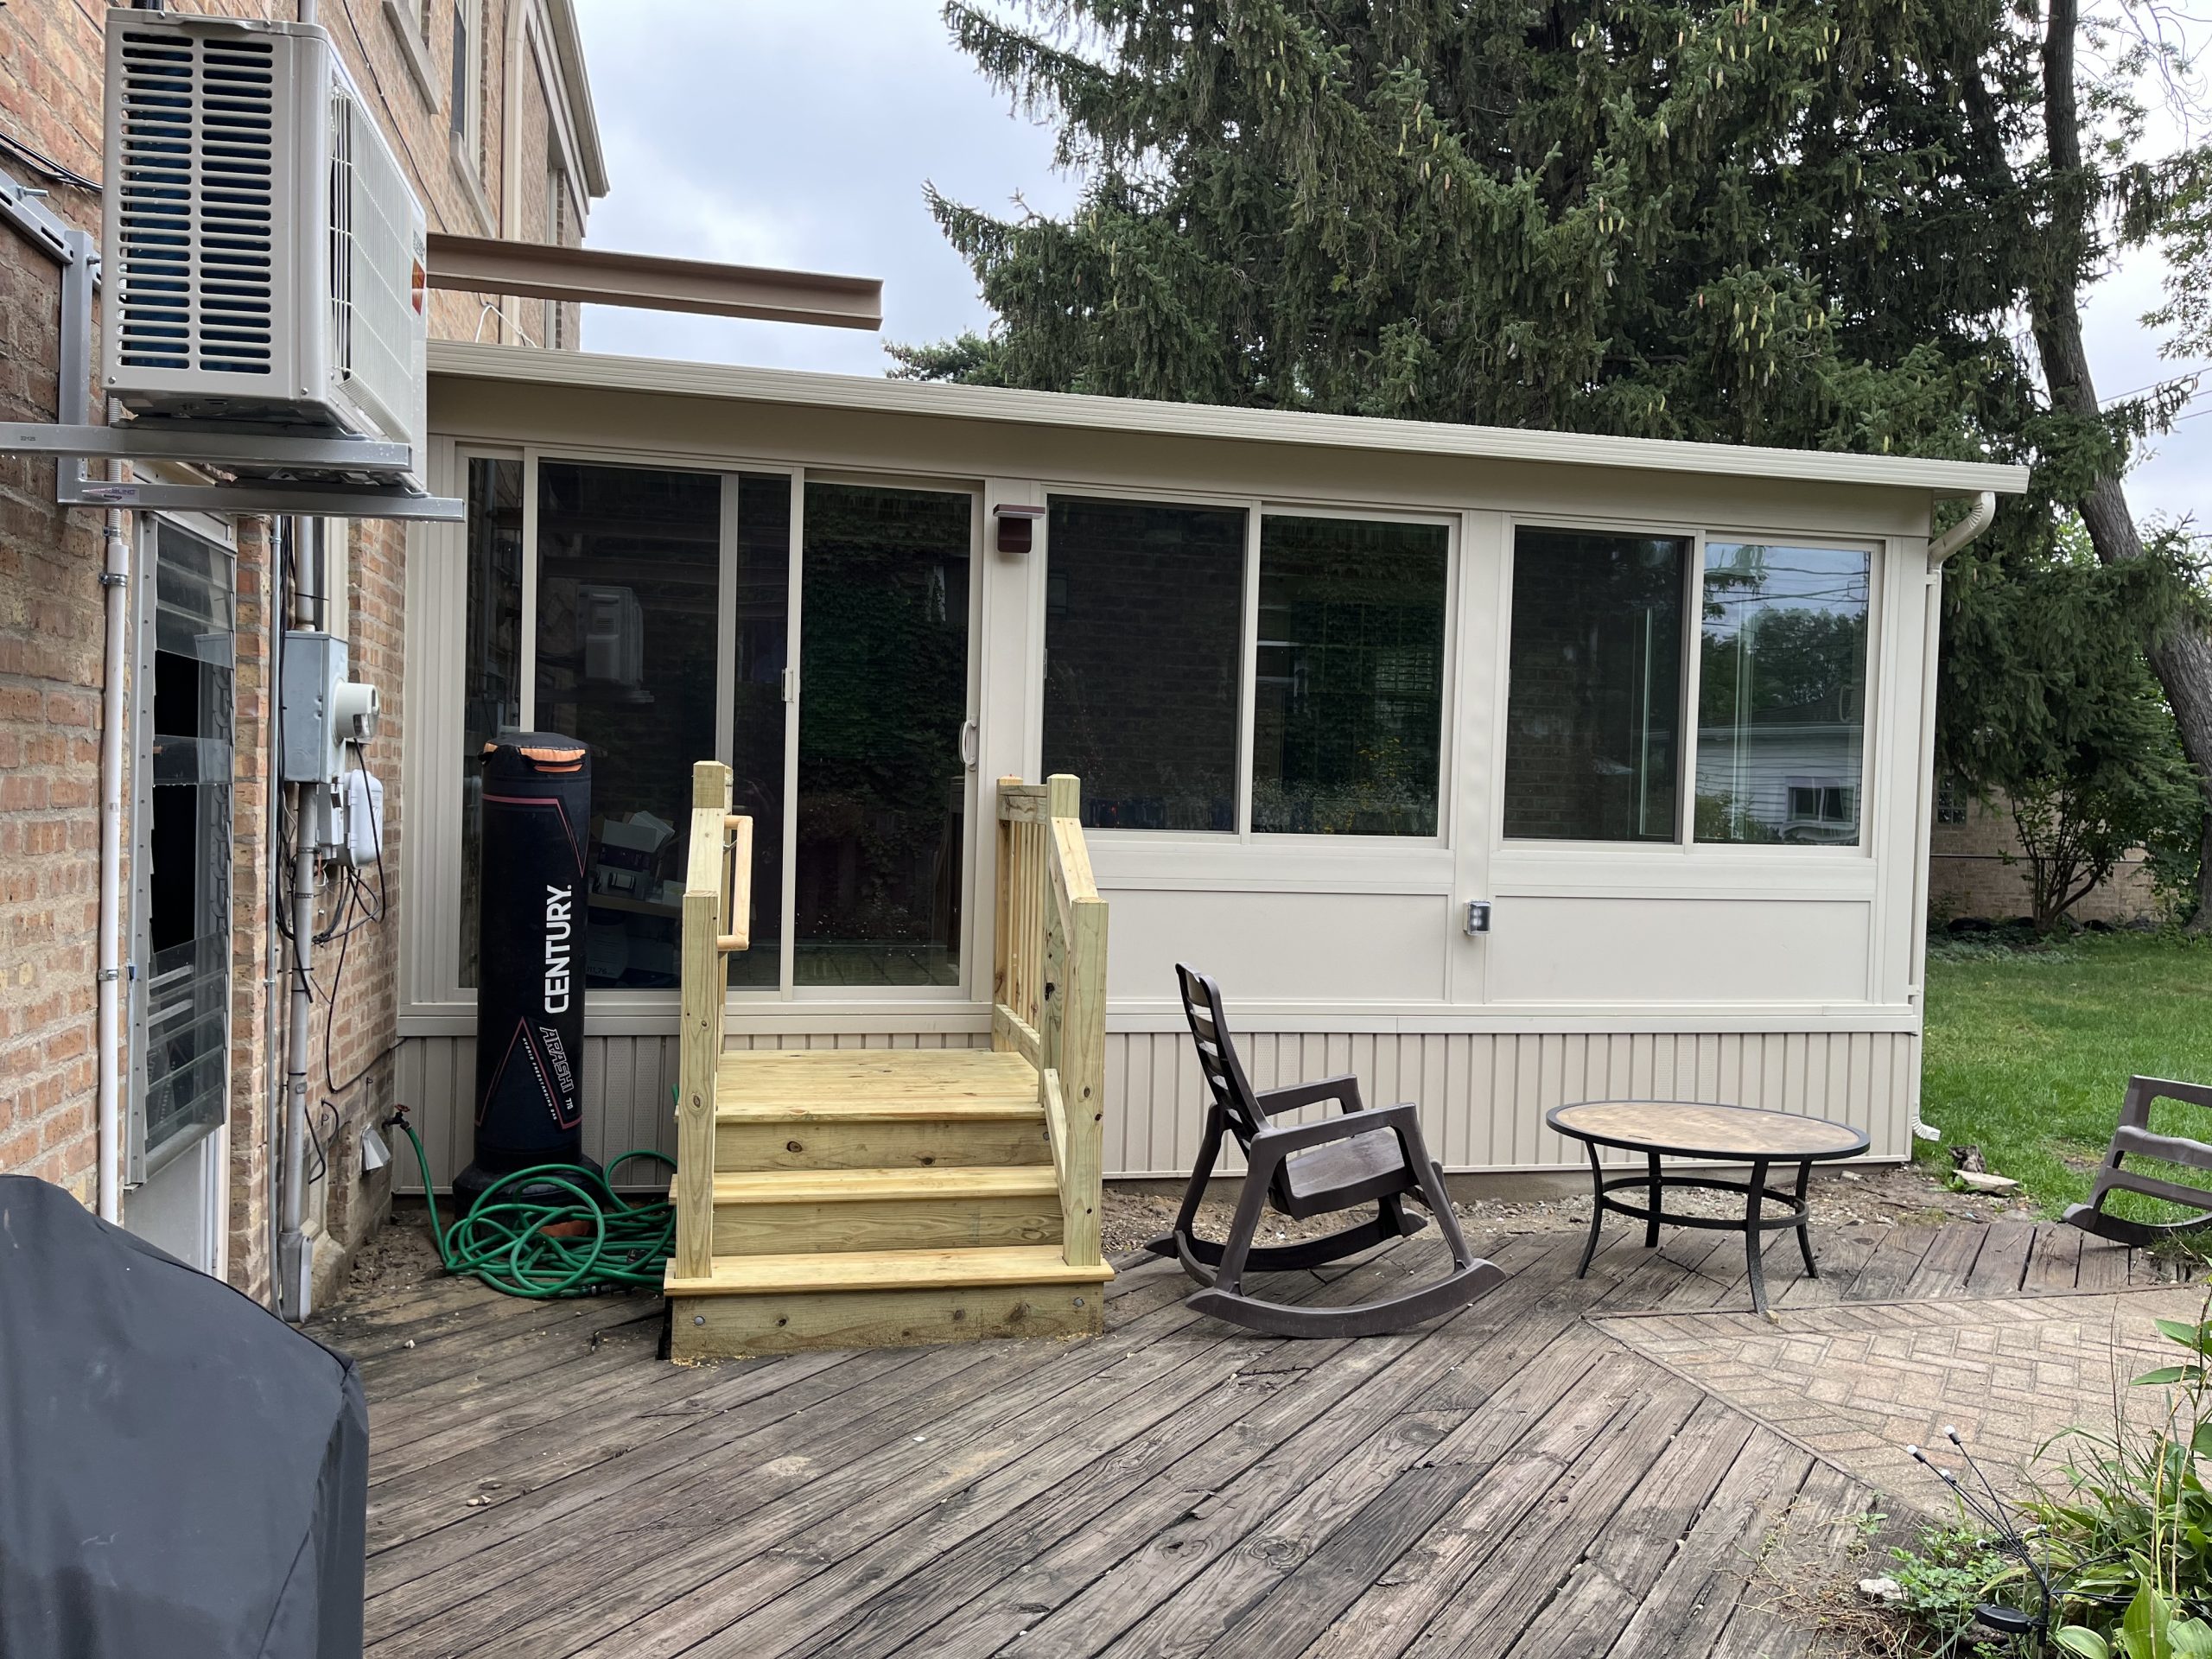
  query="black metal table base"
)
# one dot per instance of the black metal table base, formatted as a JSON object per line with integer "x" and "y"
{"x": 1756, "y": 1223}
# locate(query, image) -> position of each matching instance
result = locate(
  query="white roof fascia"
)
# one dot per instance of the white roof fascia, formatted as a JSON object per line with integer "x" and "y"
{"x": 469, "y": 361}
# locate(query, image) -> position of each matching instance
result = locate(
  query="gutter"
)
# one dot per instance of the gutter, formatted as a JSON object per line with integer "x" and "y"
{"x": 1977, "y": 520}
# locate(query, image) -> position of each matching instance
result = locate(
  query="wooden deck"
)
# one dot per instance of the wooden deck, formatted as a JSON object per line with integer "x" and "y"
{"x": 1509, "y": 1480}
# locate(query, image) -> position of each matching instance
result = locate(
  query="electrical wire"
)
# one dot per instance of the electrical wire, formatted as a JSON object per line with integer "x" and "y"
{"x": 581, "y": 1242}
{"x": 45, "y": 166}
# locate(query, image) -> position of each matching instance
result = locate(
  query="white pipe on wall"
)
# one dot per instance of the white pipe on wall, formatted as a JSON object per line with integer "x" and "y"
{"x": 115, "y": 581}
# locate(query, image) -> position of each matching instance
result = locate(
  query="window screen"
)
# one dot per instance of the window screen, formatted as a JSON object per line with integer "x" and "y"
{"x": 1594, "y": 705}
{"x": 1143, "y": 635}
{"x": 1350, "y": 691}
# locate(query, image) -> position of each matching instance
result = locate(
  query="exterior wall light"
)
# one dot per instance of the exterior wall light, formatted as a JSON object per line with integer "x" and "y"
{"x": 1016, "y": 527}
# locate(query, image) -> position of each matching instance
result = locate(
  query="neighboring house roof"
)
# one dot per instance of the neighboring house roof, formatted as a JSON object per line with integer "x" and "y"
{"x": 1142, "y": 416}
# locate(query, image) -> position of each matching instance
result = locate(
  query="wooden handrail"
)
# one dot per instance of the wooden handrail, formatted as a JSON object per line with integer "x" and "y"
{"x": 717, "y": 921}
{"x": 1048, "y": 985}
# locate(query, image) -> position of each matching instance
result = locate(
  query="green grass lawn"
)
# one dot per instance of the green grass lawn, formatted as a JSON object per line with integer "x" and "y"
{"x": 2028, "y": 1052}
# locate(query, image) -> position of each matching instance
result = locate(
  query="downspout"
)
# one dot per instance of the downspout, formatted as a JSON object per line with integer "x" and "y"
{"x": 1977, "y": 520}
{"x": 115, "y": 581}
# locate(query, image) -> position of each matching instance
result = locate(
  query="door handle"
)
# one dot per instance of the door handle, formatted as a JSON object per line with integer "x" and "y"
{"x": 970, "y": 743}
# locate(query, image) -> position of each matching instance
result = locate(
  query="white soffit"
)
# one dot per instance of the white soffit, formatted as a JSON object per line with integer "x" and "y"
{"x": 525, "y": 364}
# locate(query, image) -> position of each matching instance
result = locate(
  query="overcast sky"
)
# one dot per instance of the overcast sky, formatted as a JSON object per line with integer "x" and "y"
{"x": 799, "y": 133}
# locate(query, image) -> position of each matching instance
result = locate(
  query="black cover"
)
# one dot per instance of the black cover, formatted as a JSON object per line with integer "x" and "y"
{"x": 529, "y": 1000}
{"x": 182, "y": 1474}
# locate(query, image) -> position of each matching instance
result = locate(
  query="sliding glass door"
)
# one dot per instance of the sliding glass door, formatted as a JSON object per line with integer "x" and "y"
{"x": 814, "y": 636}
{"x": 883, "y": 783}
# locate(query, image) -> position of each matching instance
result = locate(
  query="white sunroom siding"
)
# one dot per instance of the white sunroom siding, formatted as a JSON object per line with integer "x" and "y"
{"x": 1483, "y": 1095}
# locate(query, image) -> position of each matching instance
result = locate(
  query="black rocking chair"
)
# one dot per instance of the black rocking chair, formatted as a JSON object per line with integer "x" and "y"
{"x": 1309, "y": 1169}
{"x": 2135, "y": 1135}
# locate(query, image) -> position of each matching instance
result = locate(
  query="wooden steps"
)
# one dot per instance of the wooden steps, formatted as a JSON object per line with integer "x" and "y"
{"x": 880, "y": 1198}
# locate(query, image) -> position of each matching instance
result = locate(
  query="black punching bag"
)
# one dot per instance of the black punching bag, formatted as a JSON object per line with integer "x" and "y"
{"x": 530, "y": 959}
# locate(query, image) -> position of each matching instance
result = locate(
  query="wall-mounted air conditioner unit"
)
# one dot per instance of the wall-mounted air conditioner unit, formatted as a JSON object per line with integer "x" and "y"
{"x": 265, "y": 254}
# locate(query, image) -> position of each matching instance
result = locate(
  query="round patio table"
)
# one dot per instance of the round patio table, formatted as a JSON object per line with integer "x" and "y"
{"x": 1685, "y": 1129}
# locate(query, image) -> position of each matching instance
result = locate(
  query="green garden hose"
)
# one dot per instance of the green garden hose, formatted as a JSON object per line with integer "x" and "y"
{"x": 584, "y": 1241}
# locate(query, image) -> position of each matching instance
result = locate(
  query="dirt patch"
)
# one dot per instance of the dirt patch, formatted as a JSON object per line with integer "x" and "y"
{"x": 400, "y": 1256}
{"x": 1899, "y": 1195}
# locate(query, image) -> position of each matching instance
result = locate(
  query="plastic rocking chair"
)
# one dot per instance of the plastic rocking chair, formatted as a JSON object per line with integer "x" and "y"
{"x": 2134, "y": 1136}
{"x": 1363, "y": 1156}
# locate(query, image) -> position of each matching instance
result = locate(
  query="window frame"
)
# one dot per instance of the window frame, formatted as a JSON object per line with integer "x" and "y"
{"x": 1257, "y": 509}
{"x": 430, "y": 972}
{"x": 141, "y": 1162}
{"x": 1685, "y": 842}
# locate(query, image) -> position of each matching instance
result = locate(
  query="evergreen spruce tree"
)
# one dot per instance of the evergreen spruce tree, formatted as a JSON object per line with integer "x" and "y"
{"x": 1808, "y": 223}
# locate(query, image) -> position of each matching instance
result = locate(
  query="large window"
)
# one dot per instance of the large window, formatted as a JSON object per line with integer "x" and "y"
{"x": 181, "y": 1024}
{"x": 629, "y": 574}
{"x": 1594, "y": 705}
{"x": 760, "y": 654}
{"x": 491, "y": 662}
{"x": 1143, "y": 631}
{"x": 1349, "y": 691}
{"x": 882, "y": 788}
{"x": 1781, "y": 694}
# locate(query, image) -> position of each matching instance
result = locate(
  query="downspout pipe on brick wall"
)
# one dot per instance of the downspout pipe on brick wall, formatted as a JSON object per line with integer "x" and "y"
{"x": 115, "y": 583}
{"x": 1978, "y": 518}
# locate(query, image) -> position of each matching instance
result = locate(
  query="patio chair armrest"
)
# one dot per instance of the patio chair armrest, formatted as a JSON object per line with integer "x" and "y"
{"x": 1271, "y": 1146}
{"x": 1291, "y": 1095}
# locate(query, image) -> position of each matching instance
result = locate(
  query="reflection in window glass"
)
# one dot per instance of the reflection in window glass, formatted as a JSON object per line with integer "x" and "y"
{"x": 628, "y": 579}
{"x": 883, "y": 695}
{"x": 491, "y": 660}
{"x": 1350, "y": 694}
{"x": 1143, "y": 620}
{"x": 185, "y": 997}
{"x": 761, "y": 652}
{"x": 1595, "y": 704}
{"x": 1781, "y": 694}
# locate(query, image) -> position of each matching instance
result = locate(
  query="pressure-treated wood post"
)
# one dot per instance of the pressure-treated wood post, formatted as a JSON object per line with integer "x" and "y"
{"x": 699, "y": 1043}
{"x": 1079, "y": 1020}
{"x": 1002, "y": 907}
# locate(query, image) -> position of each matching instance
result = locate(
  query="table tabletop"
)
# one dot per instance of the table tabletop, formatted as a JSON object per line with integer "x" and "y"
{"x": 1691, "y": 1129}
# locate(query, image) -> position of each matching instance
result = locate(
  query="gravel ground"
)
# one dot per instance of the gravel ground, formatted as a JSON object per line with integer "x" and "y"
{"x": 401, "y": 1255}
{"x": 1885, "y": 1197}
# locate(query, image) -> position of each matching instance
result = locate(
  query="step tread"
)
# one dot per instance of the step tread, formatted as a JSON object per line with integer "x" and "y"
{"x": 949, "y": 1184}
{"x": 875, "y": 1085}
{"x": 828, "y": 1272}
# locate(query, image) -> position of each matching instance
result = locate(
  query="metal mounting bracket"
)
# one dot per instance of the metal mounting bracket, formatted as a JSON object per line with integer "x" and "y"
{"x": 361, "y": 475}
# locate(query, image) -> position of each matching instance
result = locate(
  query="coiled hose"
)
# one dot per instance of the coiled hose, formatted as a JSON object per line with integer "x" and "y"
{"x": 585, "y": 1241}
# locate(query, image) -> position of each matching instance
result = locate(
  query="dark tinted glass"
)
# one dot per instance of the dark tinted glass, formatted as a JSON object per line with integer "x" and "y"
{"x": 883, "y": 694}
{"x": 187, "y": 991}
{"x": 1350, "y": 695}
{"x": 760, "y": 654}
{"x": 491, "y": 659}
{"x": 1594, "y": 709}
{"x": 1143, "y": 620}
{"x": 628, "y": 581}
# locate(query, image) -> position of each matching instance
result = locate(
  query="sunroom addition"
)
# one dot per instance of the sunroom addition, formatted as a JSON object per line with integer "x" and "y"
{"x": 1664, "y": 707}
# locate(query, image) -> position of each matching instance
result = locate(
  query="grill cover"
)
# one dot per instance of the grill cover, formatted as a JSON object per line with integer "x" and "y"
{"x": 180, "y": 1472}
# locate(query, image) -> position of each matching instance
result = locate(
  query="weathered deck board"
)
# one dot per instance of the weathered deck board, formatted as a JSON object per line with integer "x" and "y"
{"x": 1506, "y": 1480}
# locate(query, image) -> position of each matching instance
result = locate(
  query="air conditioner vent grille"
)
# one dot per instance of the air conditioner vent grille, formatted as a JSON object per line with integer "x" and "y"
{"x": 197, "y": 176}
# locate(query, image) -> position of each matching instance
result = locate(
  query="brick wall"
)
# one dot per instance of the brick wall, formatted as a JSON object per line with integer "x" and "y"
{"x": 1969, "y": 875}
{"x": 53, "y": 631}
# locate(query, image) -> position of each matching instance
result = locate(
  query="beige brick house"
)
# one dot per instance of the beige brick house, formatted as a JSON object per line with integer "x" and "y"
{"x": 487, "y": 103}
